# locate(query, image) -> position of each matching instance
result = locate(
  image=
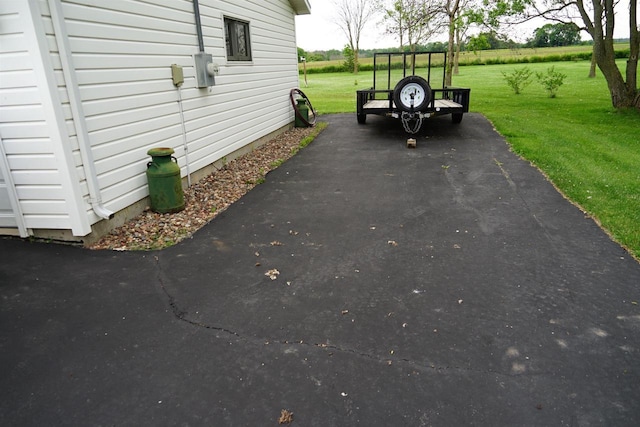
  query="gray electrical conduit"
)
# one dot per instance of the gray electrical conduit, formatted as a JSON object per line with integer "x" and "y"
{"x": 62, "y": 39}
{"x": 196, "y": 12}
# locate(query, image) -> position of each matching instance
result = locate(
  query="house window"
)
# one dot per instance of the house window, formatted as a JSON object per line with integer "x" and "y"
{"x": 237, "y": 39}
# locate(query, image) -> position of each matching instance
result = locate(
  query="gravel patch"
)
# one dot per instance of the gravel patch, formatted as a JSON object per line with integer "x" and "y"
{"x": 208, "y": 197}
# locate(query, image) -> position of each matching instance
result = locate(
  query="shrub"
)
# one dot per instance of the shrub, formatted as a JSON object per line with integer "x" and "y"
{"x": 518, "y": 79}
{"x": 327, "y": 69}
{"x": 349, "y": 58}
{"x": 551, "y": 81}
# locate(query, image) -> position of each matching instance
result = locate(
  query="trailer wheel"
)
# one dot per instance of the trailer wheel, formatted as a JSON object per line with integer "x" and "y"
{"x": 362, "y": 118}
{"x": 412, "y": 93}
{"x": 456, "y": 117}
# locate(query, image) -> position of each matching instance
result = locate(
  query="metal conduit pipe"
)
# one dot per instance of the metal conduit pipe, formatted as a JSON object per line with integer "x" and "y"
{"x": 196, "y": 11}
{"x": 62, "y": 39}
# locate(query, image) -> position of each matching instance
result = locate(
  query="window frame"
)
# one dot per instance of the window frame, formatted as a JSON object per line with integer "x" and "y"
{"x": 232, "y": 40}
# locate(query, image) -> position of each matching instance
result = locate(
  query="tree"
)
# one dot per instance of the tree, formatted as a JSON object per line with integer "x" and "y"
{"x": 593, "y": 65}
{"x": 479, "y": 42}
{"x": 412, "y": 20}
{"x": 496, "y": 40}
{"x": 352, "y": 16}
{"x": 560, "y": 34}
{"x": 489, "y": 40}
{"x": 597, "y": 18}
{"x": 316, "y": 56}
{"x": 463, "y": 22}
{"x": 301, "y": 54}
{"x": 349, "y": 58}
{"x": 459, "y": 14}
{"x": 452, "y": 10}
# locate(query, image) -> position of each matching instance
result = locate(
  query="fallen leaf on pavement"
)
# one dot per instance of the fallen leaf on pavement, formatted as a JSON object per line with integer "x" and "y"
{"x": 273, "y": 274}
{"x": 286, "y": 417}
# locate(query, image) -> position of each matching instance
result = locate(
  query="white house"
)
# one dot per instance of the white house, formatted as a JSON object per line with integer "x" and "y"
{"x": 87, "y": 88}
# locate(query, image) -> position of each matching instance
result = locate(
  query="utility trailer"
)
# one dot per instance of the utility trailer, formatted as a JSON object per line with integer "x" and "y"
{"x": 404, "y": 88}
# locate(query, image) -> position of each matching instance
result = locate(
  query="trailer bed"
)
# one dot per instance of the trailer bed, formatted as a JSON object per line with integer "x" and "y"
{"x": 381, "y": 104}
{"x": 454, "y": 101}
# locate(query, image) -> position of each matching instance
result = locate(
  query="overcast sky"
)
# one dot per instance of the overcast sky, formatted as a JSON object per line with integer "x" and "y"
{"x": 319, "y": 32}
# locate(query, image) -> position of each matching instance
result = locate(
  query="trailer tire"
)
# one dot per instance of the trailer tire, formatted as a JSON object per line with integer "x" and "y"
{"x": 403, "y": 88}
{"x": 456, "y": 117}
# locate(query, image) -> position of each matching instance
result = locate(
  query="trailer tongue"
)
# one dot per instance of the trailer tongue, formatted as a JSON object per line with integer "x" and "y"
{"x": 403, "y": 88}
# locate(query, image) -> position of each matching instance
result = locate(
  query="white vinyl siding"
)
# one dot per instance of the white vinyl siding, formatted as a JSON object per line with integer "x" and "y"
{"x": 32, "y": 125}
{"x": 122, "y": 53}
{"x": 121, "y": 56}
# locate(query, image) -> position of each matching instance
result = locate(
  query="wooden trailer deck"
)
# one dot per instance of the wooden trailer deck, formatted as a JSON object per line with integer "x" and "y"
{"x": 439, "y": 104}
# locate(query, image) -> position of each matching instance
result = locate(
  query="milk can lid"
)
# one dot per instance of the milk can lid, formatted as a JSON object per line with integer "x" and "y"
{"x": 160, "y": 151}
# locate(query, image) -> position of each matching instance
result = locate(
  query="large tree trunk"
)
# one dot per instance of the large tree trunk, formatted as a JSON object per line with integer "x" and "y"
{"x": 451, "y": 7}
{"x": 356, "y": 62}
{"x": 592, "y": 68}
{"x": 623, "y": 94}
{"x": 456, "y": 58}
{"x": 634, "y": 50}
{"x": 449, "y": 70}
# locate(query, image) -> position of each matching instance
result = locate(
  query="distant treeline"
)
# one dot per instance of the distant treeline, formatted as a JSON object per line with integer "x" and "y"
{"x": 335, "y": 54}
{"x": 366, "y": 63}
{"x": 491, "y": 40}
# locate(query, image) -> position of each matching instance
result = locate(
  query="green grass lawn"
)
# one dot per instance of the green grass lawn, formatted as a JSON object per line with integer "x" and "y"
{"x": 590, "y": 151}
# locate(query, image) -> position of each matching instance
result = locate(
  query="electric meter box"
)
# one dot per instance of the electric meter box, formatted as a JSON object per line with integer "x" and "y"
{"x": 203, "y": 75}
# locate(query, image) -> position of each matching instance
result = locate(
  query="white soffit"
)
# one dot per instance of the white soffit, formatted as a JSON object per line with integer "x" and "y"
{"x": 301, "y": 7}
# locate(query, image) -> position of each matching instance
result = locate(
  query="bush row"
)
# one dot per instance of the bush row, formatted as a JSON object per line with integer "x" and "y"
{"x": 581, "y": 56}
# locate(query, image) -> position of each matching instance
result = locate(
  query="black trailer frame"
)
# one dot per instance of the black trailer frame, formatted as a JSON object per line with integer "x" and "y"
{"x": 382, "y": 98}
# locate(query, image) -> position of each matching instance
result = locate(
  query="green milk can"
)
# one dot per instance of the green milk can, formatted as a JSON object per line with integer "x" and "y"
{"x": 303, "y": 109}
{"x": 165, "y": 185}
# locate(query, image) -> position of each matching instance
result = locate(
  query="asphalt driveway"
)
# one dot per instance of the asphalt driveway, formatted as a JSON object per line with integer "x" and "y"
{"x": 364, "y": 283}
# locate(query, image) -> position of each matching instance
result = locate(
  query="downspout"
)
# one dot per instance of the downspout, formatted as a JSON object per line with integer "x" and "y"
{"x": 14, "y": 200}
{"x": 64, "y": 49}
{"x": 196, "y": 11}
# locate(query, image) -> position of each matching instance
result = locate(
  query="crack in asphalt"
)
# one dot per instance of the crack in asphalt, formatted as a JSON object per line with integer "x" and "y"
{"x": 181, "y": 314}
{"x": 329, "y": 348}
{"x": 389, "y": 360}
